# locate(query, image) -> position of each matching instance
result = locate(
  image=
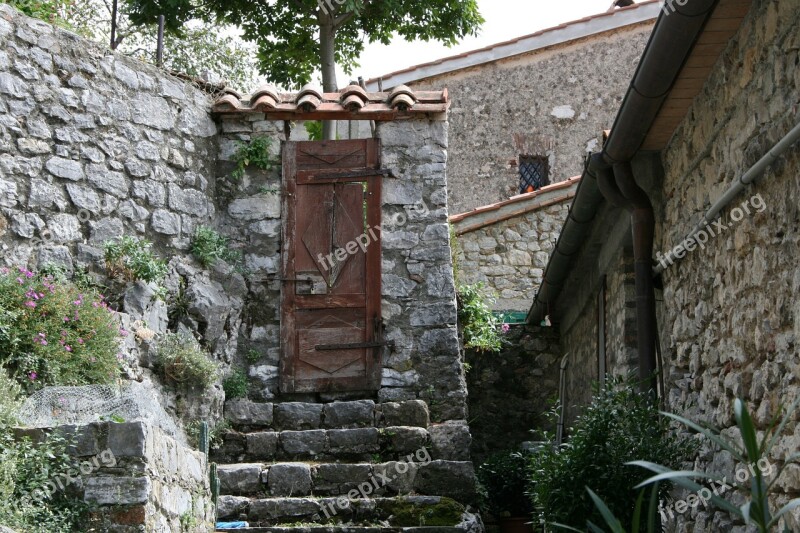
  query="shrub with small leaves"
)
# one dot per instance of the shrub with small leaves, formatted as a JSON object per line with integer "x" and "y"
{"x": 235, "y": 385}
{"x": 26, "y": 470}
{"x": 131, "y": 259}
{"x": 181, "y": 361}
{"x": 54, "y": 333}
{"x": 255, "y": 153}
{"x": 208, "y": 247}
{"x": 480, "y": 328}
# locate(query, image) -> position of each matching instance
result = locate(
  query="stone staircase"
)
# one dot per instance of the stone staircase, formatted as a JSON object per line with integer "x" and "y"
{"x": 355, "y": 466}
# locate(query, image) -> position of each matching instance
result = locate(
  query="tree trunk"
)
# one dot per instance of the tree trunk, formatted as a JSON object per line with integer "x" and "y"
{"x": 327, "y": 45}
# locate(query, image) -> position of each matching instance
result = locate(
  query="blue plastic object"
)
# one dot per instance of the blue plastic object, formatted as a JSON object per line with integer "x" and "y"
{"x": 232, "y": 525}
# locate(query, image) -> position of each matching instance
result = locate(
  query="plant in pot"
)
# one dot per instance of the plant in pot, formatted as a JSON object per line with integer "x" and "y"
{"x": 504, "y": 477}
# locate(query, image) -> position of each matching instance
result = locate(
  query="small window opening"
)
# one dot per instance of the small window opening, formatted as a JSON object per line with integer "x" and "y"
{"x": 534, "y": 173}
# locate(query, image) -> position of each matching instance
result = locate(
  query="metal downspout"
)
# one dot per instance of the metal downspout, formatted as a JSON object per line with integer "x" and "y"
{"x": 643, "y": 225}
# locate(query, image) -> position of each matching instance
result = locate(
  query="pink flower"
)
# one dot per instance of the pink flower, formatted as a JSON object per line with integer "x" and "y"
{"x": 123, "y": 332}
{"x": 80, "y": 341}
{"x": 504, "y": 328}
{"x": 20, "y": 281}
{"x": 31, "y": 304}
{"x": 67, "y": 347}
{"x": 32, "y": 376}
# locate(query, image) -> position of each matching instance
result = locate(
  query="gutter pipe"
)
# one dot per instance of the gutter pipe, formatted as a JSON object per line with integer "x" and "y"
{"x": 670, "y": 44}
{"x": 746, "y": 179}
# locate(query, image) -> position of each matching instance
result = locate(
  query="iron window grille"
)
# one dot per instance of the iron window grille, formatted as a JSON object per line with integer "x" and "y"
{"x": 534, "y": 173}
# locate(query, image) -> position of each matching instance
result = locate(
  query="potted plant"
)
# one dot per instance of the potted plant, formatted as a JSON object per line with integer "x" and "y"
{"x": 504, "y": 477}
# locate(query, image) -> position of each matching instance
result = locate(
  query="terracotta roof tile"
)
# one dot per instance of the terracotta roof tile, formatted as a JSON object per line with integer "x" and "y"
{"x": 493, "y": 213}
{"x": 351, "y": 103}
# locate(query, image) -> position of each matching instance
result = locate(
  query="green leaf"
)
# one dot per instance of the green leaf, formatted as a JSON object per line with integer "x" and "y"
{"x": 793, "y": 504}
{"x": 608, "y": 516}
{"x": 747, "y": 430}
{"x": 712, "y": 436}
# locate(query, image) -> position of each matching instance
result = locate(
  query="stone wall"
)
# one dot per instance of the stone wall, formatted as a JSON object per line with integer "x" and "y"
{"x": 136, "y": 478}
{"x": 94, "y": 145}
{"x": 731, "y": 316}
{"x": 417, "y": 281}
{"x": 569, "y": 92}
{"x": 511, "y": 391}
{"x": 509, "y": 256}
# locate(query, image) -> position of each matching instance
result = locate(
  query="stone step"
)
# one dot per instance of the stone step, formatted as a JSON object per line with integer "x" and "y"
{"x": 378, "y": 513}
{"x": 448, "y": 441}
{"x": 453, "y": 479}
{"x": 246, "y": 416}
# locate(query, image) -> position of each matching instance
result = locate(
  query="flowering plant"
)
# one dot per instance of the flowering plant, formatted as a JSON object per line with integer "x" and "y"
{"x": 54, "y": 333}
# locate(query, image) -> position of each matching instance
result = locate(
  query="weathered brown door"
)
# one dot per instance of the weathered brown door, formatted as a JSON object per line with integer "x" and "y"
{"x": 330, "y": 302}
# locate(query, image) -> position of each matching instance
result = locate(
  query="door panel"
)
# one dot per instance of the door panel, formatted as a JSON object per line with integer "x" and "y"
{"x": 331, "y": 267}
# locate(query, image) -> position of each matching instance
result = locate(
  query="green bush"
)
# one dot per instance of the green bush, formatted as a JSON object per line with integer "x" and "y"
{"x": 53, "y": 333}
{"x": 235, "y": 385}
{"x": 25, "y": 470}
{"x": 208, "y": 247}
{"x": 620, "y": 425}
{"x": 504, "y": 477}
{"x": 256, "y": 153}
{"x": 181, "y": 361}
{"x": 131, "y": 259}
{"x": 480, "y": 328}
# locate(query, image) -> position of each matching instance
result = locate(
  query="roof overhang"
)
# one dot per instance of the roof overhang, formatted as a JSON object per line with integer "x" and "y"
{"x": 685, "y": 45}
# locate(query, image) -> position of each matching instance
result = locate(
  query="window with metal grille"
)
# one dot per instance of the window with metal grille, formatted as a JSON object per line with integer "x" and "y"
{"x": 534, "y": 172}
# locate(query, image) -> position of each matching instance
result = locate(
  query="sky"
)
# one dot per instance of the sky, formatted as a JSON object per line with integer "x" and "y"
{"x": 505, "y": 19}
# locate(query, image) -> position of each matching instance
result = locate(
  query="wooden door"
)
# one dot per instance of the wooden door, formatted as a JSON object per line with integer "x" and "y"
{"x": 330, "y": 298}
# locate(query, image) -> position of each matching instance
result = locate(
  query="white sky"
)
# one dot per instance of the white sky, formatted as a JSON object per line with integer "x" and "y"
{"x": 505, "y": 19}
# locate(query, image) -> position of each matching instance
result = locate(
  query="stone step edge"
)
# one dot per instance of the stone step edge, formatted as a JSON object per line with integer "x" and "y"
{"x": 356, "y": 481}
{"x": 297, "y": 416}
{"x": 442, "y": 441}
{"x": 346, "y": 529}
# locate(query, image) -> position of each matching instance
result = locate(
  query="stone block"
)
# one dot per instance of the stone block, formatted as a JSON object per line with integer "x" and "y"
{"x": 343, "y": 415}
{"x": 396, "y": 477}
{"x": 454, "y": 479}
{"x": 262, "y": 445}
{"x": 339, "y": 478}
{"x": 353, "y": 441}
{"x": 127, "y": 439}
{"x": 283, "y": 509}
{"x": 298, "y": 415}
{"x": 230, "y": 507}
{"x": 240, "y": 479}
{"x": 404, "y": 440}
{"x": 450, "y": 441}
{"x": 249, "y": 413}
{"x": 117, "y": 490}
{"x": 305, "y": 443}
{"x": 412, "y": 413}
{"x": 289, "y": 479}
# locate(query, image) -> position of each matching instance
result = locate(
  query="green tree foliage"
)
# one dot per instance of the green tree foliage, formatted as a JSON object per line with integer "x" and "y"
{"x": 204, "y": 50}
{"x": 297, "y": 37}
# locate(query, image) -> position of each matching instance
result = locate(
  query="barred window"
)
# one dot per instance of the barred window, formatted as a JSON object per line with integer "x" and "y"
{"x": 534, "y": 172}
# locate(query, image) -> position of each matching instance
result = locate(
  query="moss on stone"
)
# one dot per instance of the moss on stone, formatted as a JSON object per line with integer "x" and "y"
{"x": 406, "y": 513}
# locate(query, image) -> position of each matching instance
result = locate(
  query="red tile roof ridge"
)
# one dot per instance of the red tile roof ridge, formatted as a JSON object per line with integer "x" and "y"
{"x": 517, "y": 198}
